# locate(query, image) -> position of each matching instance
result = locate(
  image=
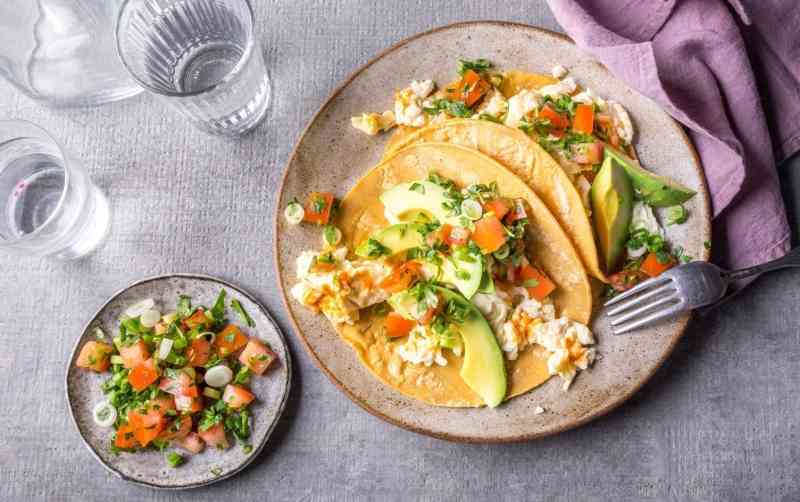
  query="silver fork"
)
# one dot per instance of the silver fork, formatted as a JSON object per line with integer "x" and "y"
{"x": 681, "y": 289}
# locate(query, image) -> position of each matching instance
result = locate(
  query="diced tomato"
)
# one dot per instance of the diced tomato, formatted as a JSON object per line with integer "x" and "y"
{"x": 186, "y": 404}
{"x": 95, "y": 356}
{"x": 257, "y": 356}
{"x": 162, "y": 404}
{"x": 198, "y": 352}
{"x": 536, "y": 282}
{"x": 197, "y": 319}
{"x": 489, "y": 234}
{"x": 653, "y": 267}
{"x": 237, "y": 397}
{"x": 318, "y": 208}
{"x": 517, "y": 212}
{"x": 143, "y": 375}
{"x": 215, "y": 437}
{"x": 500, "y": 207}
{"x": 625, "y": 279}
{"x": 134, "y": 355}
{"x": 177, "y": 429}
{"x": 473, "y": 87}
{"x": 229, "y": 340}
{"x": 147, "y": 424}
{"x": 606, "y": 124}
{"x": 192, "y": 443}
{"x": 583, "y": 121}
{"x": 587, "y": 153}
{"x": 397, "y": 325}
{"x": 125, "y": 437}
{"x": 455, "y": 236}
{"x": 180, "y": 385}
{"x": 402, "y": 277}
{"x": 427, "y": 316}
{"x": 558, "y": 120}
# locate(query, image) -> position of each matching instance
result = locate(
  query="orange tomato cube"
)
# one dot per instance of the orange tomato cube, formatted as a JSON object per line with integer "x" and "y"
{"x": 489, "y": 234}
{"x": 143, "y": 375}
{"x": 539, "y": 286}
{"x": 499, "y": 207}
{"x": 397, "y": 325}
{"x": 402, "y": 277}
{"x": 653, "y": 267}
{"x": 198, "y": 352}
{"x": 229, "y": 340}
{"x": 583, "y": 121}
{"x": 257, "y": 356}
{"x": 215, "y": 437}
{"x": 134, "y": 355}
{"x": 237, "y": 397}
{"x": 558, "y": 120}
{"x": 197, "y": 319}
{"x": 125, "y": 438}
{"x": 147, "y": 424}
{"x": 318, "y": 208}
{"x": 95, "y": 356}
{"x": 192, "y": 443}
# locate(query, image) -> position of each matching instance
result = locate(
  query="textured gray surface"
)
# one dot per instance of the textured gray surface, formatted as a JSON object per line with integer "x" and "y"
{"x": 719, "y": 422}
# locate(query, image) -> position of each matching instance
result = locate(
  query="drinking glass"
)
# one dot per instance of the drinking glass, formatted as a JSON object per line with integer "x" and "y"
{"x": 201, "y": 56}
{"x": 48, "y": 204}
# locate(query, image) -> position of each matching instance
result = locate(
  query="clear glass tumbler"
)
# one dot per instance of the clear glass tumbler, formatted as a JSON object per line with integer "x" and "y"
{"x": 199, "y": 55}
{"x": 48, "y": 204}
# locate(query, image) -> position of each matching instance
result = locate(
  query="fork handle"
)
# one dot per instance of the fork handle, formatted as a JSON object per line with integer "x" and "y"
{"x": 791, "y": 259}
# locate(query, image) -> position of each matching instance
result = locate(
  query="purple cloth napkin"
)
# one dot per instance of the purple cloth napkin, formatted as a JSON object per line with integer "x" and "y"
{"x": 691, "y": 58}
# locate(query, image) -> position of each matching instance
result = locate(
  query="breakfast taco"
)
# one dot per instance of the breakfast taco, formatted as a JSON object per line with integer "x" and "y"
{"x": 533, "y": 124}
{"x": 450, "y": 279}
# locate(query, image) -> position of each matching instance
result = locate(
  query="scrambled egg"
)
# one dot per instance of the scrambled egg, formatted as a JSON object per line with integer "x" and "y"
{"x": 421, "y": 347}
{"x": 408, "y": 108}
{"x": 493, "y": 104}
{"x": 373, "y": 123}
{"x": 565, "y": 86}
{"x": 622, "y": 122}
{"x": 341, "y": 288}
{"x": 567, "y": 342}
{"x": 521, "y": 105}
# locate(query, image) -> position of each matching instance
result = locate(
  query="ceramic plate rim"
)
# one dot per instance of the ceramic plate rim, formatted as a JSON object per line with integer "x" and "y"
{"x": 256, "y": 451}
{"x": 597, "y": 413}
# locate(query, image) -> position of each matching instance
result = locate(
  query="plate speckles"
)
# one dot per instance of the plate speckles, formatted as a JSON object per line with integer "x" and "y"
{"x": 149, "y": 468}
{"x": 331, "y": 155}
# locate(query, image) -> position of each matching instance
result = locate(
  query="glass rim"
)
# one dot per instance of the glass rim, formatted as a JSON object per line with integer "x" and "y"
{"x": 64, "y": 190}
{"x": 228, "y": 76}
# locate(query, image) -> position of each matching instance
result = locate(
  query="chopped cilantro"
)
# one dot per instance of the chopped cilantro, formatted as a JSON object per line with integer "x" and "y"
{"x": 184, "y": 309}
{"x": 450, "y": 107}
{"x": 530, "y": 283}
{"x": 417, "y": 187}
{"x": 375, "y": 249}
{"x": 237, "y": 307}
{"x": 707, "y": 244}
{"x": 479, "y": 65}
{"x": 174, "y": 459}
{"x": 677, "y": 215}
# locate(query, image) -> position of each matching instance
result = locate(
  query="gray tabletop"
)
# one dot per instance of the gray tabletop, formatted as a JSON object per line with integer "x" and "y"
{"x": 720, "y": 421}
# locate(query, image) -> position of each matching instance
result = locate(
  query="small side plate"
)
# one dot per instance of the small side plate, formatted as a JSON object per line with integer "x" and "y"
{"x": 150, "y": 468}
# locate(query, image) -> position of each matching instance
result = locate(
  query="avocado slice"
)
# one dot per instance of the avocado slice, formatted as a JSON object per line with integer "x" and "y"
{"x": 656, "y": 191}
{"x": 483, "y": 369}
{"x": 397, "y": 238}
{"x": 612, "y": 206}
{"x": 465, "y": 275}
{"x": 404, "y": 201}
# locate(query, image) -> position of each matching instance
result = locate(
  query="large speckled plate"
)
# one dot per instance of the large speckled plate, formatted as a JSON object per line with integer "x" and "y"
{"x": 331, "y": 155}
{"x": 149, "y": 468}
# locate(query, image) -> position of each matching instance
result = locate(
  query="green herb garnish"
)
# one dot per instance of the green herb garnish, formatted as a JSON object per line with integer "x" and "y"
{"x": 174, "y": 459}
{"x": 237, "y": 307}
{"x": 417, "y": 187}
{"x": 479, "y": 65}
{"x": 677, "y": 215}
{"x": 375, "y": 249}
{"x": 450, "y": 107}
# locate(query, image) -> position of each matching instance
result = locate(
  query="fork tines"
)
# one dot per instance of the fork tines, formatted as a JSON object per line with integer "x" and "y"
{"x": 645, "y": 303}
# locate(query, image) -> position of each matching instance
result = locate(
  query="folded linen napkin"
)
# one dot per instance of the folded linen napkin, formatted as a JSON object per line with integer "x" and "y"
{"x": 691, "y": 58}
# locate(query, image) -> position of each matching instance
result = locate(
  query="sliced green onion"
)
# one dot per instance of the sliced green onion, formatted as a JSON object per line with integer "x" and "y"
{"x": 219, "y": 376}
{"x": 209, "y": 336}
{"x": 164, "y": 348}
{"x": 294, "y": 213}
{"x": 104, "y": 414}
{"x": 115, "y": 359}
{"x": 211, "y": 392}
{"x": 677, "y": 215}
{"x": 168, "y": 318}
{"x": 331, "y": 236}
{"x": 190, "y": 371}
{"x": 118, "y": 342}
{"x": 502, "y": 253}
{"x": 140, "y": 307}
{"x": 472, "y": 209}
{"x": 174, "y": 459}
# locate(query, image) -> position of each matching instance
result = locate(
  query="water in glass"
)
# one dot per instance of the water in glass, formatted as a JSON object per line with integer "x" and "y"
{"x": 200, "y": 55}
{"x": 49, "y": 208}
